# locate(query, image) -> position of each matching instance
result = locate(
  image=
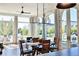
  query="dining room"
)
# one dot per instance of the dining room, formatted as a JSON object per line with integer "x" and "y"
{"x": 39, "y": 29}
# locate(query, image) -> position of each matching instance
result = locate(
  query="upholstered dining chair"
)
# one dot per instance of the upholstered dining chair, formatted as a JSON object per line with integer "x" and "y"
{"x": 24, "y": 50}
{"x": 35, "y": 39}
{"x": 44, "y": 47}
{"x": 55, "y": 45}
{"x": 1, "y": 48}
{"x": 29, "y": 39}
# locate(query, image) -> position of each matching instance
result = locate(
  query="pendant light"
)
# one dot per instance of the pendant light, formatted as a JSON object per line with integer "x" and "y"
{"x": 65, "y": 5}
{"x": 37, "y": 9}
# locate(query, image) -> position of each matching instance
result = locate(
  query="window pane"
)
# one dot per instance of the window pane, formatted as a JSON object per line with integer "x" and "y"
{"x": 6, "y": 28}
{"x": 23, "y": 27}
{"x": 50, "y": 27}
{"x": 73, "y": 13}
{"x": 23, "y": 19}
{"x": 50, "y": 19}
{"x": 50, "y": 31}
{"x": 40, "y": 30}
{"x": 64, "y": 29}
{"x": 6, "y": 18}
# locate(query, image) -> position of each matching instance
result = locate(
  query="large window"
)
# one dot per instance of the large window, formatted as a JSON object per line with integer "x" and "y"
{"x": 73, "y": 18}
{"x": 73, "y": 14}
{"x": 64, "y": 30}
{"x": 50, "y": 27}
{"x": 6, "y": 28}
{"x": 40, "y": 27}
{"x": 23, "y": 27}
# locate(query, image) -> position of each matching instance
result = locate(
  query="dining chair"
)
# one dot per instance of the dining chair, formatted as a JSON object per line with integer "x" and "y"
{"x": 29, "y": 39}
{"x": 45, "y": 46}
{"x": 1, "y": 48}
{"x": 35, "y": 48}
{"x": 24, "y": 50}
{"x": 55, "y": 45}
{"x": 39, "y": 47}
{"x": 35, "y": 39}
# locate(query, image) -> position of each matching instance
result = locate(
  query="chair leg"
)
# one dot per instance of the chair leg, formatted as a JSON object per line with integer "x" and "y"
{"x": 21, "y": 54}
{"x": 37, "y": 53}
{"x": 33, "y": 52}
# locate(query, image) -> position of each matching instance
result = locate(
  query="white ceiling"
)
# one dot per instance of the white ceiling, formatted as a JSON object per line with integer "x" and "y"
{"x": 28, "y": 7}
{"x": 12, "y": 8}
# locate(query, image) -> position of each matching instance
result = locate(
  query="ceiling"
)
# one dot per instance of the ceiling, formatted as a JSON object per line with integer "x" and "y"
{"x": 13, "y": 8}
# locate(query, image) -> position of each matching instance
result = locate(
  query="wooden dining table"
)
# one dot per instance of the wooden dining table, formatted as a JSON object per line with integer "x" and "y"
{"x": 66, "y": 52}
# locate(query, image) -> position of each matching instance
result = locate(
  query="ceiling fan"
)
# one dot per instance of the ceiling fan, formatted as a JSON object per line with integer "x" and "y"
{"x": 23, "y": 12}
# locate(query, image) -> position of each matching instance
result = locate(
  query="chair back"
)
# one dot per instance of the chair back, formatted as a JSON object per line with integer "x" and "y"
{"x": 21, "y": 46}
{"x": 46, "y": 46}
{"x": 57, "y": 42}
{"x": 29, "y": 39}
{"x": 40, "y": 41}
{"x": 35, "y": 40}
{"x": 24, "y": 48}
{"x": 1, "y": 46}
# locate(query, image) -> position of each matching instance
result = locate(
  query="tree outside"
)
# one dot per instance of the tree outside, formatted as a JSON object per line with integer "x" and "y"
{"x": 23, "y": 31}
{"x": 50, "y": 31}
{"x": 73, "y": 29}
{"x": 6, "y": 27}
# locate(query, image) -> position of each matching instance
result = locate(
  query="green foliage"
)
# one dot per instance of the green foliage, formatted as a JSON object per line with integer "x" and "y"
{"x": 40, "y": 32}
{"x": 50, "y": 31}
{"x": 73, "y": 30}
{"x": 1, "y": 27}
{"x": 6, "y": 27}
{"x": 10, "y": 27}
{"x": 23, "y": 31}
{"x": 19, "y": 30}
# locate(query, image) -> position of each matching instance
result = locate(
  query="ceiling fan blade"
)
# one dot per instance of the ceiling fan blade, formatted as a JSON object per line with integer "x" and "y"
{"x": 27, "y": 12}
{"x": 20, "y": 12}
{"x": 23, "y": 12}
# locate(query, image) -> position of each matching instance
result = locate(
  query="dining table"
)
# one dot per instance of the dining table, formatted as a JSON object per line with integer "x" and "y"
{"x": 30, "y": 44}
{"x": 33, "y": 44}
{"x": 74, "y": 51}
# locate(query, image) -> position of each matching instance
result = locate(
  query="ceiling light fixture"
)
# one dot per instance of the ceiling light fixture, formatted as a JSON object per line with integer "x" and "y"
{"x": 65, "y": 5}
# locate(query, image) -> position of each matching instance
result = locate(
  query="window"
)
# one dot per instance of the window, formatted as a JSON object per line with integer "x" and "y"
{"x": 64, "y": 29}
{"x": 23, "y": 27}
{"x": 6, "y": 28}
{"x": 73, "y": 14}
{"x": 50, "y": 27}
{"x": 40, "y": 27}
